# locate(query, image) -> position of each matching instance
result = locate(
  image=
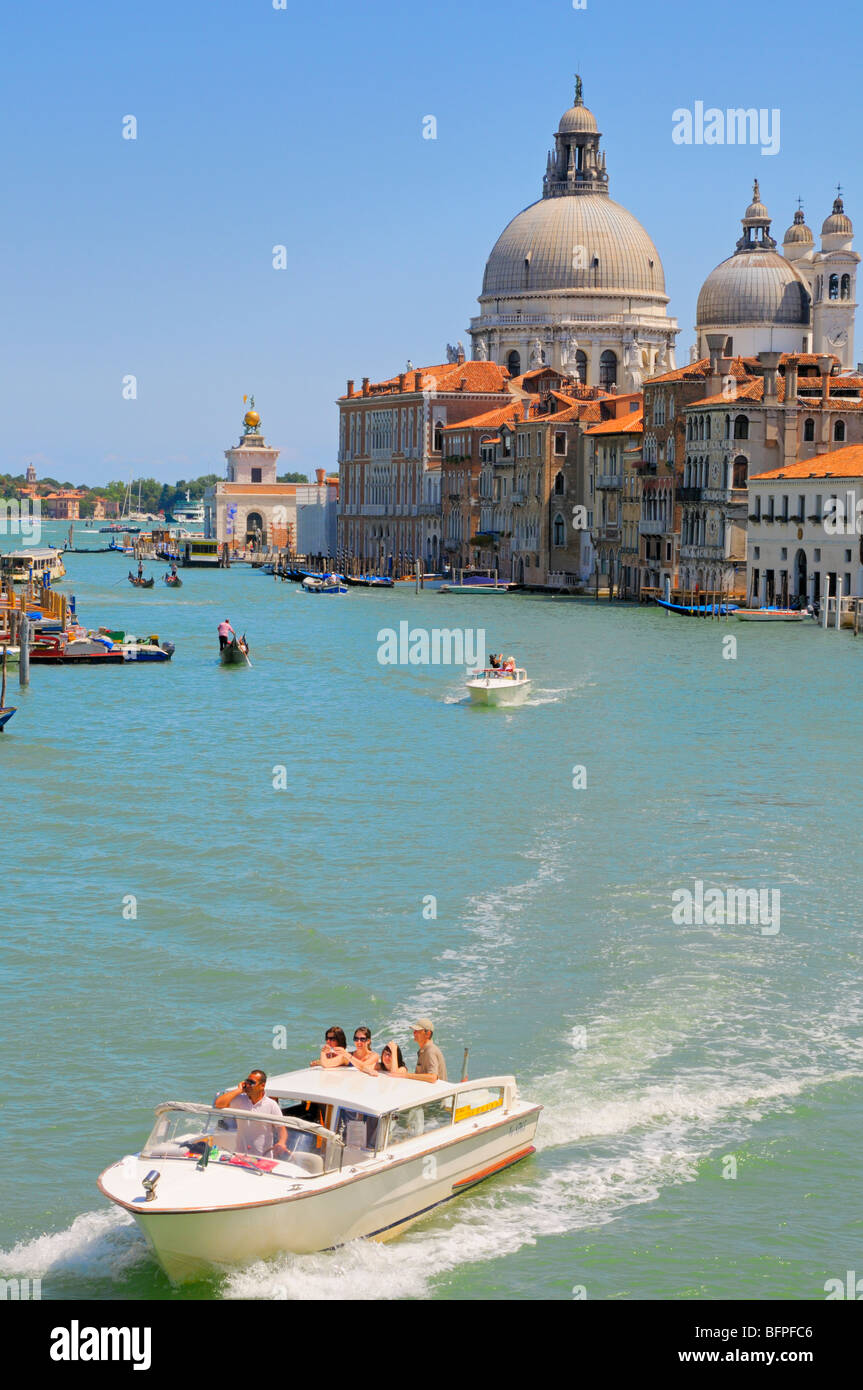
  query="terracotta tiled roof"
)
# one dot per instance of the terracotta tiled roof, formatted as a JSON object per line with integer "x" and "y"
{"x": 583, "y": 411}
{"x": 447, "y": 376}
{"x": 837, "y": 463}
{"x": 490, "y": 419}
{"x": 626, "y": 424}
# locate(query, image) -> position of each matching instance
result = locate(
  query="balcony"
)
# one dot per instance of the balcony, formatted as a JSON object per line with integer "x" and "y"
{"x": 609, "y": 480}
{"x": 428, "y": 509}
{"x": 518, "y": 495}
{"x": 690, "y": 494}
{"x": 653, "y": 527}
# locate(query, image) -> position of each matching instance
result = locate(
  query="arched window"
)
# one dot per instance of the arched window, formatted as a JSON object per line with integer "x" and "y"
{"x": 438, "y": 438}
{"x": 608, "y": 370}
{"x": 833, "y": 290}
{"x": 726, "y": 473}
{"x": 741, "y": 427}
{"x": 846, "y": 286}
{"x": 689, "y": 429}
{"x": 581, "y": 366}
{"x": 558, "y": 484}
{"x": 728, "y": 427}
{"x": 741, "y": 472}
{"x": 839, "y": 432}
{"x": 808, "y": 431}
{"x": 513, "y": 362}
{"x": 708, "y": 427}
{"x": 255, "y": 527}
{"x": 559, "y": 530}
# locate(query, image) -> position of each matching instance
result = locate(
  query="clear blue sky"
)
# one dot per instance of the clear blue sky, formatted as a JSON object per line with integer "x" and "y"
{"x": 303, "y": 127}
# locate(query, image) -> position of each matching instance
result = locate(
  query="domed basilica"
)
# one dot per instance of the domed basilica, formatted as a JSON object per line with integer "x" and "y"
{"x": 575, "y": 282}
{"x": 799, "y": 300}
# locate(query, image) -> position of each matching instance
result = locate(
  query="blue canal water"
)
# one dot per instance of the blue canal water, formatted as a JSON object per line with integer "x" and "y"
{"x": 702, "y": 1084}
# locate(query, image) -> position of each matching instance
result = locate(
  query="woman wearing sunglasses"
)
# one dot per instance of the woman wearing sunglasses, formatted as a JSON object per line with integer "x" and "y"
{"x": 333, "y": 1052}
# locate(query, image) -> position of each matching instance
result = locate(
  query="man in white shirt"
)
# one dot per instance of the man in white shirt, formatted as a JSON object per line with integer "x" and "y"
{"x": 256, "y": 1137}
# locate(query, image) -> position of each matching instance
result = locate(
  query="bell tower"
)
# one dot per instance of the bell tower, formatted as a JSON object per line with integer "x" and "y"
{"x": 835, "y": 286}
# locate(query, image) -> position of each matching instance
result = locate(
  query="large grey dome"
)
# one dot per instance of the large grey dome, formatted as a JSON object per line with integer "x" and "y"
{"x": 753, "y": 287}
{"x": 587, "y": 241}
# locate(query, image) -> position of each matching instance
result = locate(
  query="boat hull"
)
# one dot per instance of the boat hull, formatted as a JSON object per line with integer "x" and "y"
{"x": 771, "y": 615}
{"x": 499, "y": 692}
{"x": 378, "y": 1204}
{"x": 6, "y": 715}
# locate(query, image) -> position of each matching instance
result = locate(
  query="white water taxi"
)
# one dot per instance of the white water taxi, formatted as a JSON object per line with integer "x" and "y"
{"x": 366, "y": 1156}
{"x": 772, "y": 615}
{"x": 498, "y": 687}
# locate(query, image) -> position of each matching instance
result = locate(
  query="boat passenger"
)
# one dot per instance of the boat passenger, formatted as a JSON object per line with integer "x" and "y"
{"x": 392, "y": 1062}
{"x": 364, "y": 1057}
{"x": 256, "y": 1137}
{"x": 494, "y": 661}
{"x": 225, "y": 634}
{"x": 334, "y": 1051}
{"x": 430, "y": 1060}
{"x": 509, "y": 665}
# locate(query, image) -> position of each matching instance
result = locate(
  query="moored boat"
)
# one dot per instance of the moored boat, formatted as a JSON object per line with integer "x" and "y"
{"x": 5, "y": 715}
{"x": 698, "y": 610}
{"x": 495, "y": 686}
{"x": 772, "y": 615}
{"x": 213, "y": 1187}
{"x": 12, "y": 654}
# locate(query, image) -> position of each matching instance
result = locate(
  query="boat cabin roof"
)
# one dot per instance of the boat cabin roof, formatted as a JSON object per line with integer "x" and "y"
{"x": 376, "y": 1095}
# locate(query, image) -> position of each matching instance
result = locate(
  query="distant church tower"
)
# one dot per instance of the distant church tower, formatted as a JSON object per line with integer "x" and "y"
{"x": 834, "y": 298}
{"x": 251, "y": 461}
{"x": 31, "y": 474}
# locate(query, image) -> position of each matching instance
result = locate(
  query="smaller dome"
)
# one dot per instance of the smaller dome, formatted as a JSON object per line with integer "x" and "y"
{"x": 837, "y": 221}
{"x": 798, "y": 231}
{"x": 577, "y": 120}
{"x": 252, "y": 419}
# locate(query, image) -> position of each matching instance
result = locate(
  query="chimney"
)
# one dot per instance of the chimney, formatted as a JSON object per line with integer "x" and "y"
{"x": 527, "y": 410}
{"x": 825, "y": 366}
{"x": 350, "y": 387}
{"x": 418, "y": 381}
{"x": 320, "y": 475}
{"x": 791, "y": 383}
{"x": 770, "y": 362}
{"x": 716, "y": 347}
{"x": 402, "y": 380}
{"x": 365, "y": 386}
{"x": 462, "y": 386}
{"x": 460, "y": 356}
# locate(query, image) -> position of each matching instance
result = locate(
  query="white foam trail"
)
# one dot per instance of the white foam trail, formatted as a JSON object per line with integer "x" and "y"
{"x": 98, "y": 1244}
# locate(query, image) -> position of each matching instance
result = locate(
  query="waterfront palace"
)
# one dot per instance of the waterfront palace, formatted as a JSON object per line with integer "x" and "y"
{"x": 572, "y": 450}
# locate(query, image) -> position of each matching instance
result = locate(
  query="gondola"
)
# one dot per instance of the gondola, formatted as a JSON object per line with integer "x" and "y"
{"x": 140, "y": 583}
{"x": 698, "y": 610}
{"x": 235, "y": 652}
{"x": 6, "y": 715}
{"x": 173, "y": 581}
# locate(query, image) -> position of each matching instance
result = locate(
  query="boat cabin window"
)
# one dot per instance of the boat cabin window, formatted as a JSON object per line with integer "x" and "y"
{"x": 468, "y": 1104}
{"x": 420, "y": 1119}
{"x": 359, "y": 1132}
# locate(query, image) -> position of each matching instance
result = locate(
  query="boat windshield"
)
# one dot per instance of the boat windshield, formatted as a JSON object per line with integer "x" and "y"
{"x": 184, "y": 1130}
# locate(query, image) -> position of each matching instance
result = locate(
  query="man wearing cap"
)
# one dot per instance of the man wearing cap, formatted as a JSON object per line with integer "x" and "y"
{"x": 430, "y": 1063}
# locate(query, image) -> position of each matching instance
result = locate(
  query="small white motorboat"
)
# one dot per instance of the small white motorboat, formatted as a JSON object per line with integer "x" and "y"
{"x": 495, "y": 686}
{"x": 12, "y": 654}
{"x": 378, "y": 1152}
{"x": 772, "y": 615}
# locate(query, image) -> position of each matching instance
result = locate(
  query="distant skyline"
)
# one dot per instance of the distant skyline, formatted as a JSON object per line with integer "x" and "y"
{"x": 259, "y": 127}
